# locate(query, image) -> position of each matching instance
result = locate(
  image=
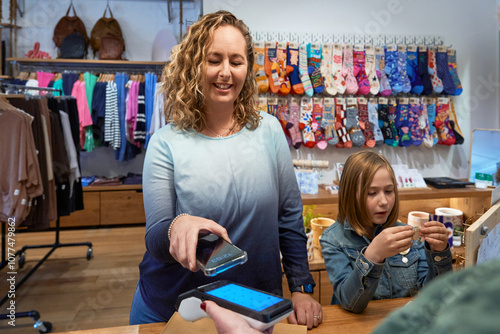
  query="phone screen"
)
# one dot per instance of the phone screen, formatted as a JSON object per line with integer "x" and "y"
{"x": 215, "y": 254}
{"x": 249, "y": 298}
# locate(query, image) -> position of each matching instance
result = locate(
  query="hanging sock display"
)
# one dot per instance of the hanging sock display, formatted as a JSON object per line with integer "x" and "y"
{"x": 352, "y": 124}
{"x": 326, "y": 68}
{"x": 401, "y": 56}
{"x": 259, "y": 49}
{"x": 272, "y": 67}
{"x": 340, "y": 124}
{"x": 442, "y": 122}
{"x": 364, "y": 122}
{"x": 293, "y": 61}
{"x": 306, "y": 122}
{"x": 317, "y": 114}
{"x": 337, "y": 69}
{"x": 293, "y": 122}
{"x": 284, "y": 69}
{"x": 443, "y": 71}
{"x": 304, "y": 72}
{"x": 359, "y": 70}
{"x": 416, "y": 134}
{"x": 374, "y": 122}
{"x": 314, "y": 67}
{"x": 348, "y": 71}
{"x": 391, "y": 68}
{"x": 402, "y": 123}
{"x": 423, "y": 70}
{"x": 452, "y": 67}
{"x": 371, "y": 71}
{"x": 385, "y": 86}
{"x": 328, "y": 121}
{"x": 437, "y": 84}
{"x": 417, "y": 86}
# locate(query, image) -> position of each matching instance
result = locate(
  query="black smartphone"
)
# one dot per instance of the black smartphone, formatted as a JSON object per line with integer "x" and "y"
{"x": 260, "y": 309}
{"x": 215, "y": 255}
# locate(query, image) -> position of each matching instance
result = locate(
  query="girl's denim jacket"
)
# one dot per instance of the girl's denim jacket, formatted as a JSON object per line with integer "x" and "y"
{"x": 356, "y": 280}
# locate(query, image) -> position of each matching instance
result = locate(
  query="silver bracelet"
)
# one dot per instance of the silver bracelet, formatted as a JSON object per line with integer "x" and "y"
{"x": 173, "y": 222}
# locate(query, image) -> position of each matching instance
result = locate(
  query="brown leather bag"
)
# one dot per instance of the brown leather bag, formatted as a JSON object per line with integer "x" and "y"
{"x": 111, "y": 48}
{"x": 104, "y": 27}
{"x": 68, "y": 25}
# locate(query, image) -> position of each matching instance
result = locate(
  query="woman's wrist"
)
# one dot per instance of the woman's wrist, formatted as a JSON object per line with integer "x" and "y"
{"x": 173, "y": 222}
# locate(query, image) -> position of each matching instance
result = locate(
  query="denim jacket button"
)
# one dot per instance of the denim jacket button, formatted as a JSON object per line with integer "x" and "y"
{"x": 437, "y": 258}
{"x": 366, "y": 266}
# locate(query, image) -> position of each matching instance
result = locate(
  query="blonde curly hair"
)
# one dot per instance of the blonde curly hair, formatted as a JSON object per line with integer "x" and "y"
{"x": 183, "y": 76}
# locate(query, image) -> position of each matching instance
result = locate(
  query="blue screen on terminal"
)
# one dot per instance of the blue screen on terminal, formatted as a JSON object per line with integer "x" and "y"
{"x": 248, "y": 298}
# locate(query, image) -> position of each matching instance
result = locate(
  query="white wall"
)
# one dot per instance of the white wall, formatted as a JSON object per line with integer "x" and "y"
{"x": 469, "y": 26}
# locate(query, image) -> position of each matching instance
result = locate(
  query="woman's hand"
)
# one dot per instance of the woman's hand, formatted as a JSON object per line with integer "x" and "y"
{"x": 184, "y": 238}
{"x": 436, "y": 234}
{"x": 306, "y": 311}
{"x": 389, "y": 242}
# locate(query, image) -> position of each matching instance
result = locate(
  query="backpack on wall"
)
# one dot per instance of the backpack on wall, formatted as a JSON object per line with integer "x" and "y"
{"x": 73, "y": 47}
{"x": 68, "y": 25}
{"x": 107, "y": 27}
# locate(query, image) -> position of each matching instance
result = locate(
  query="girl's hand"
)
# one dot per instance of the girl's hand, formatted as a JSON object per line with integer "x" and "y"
{"x": 389, "y": 242}
{"x": 184, "y": 238}
{"x": 436, "y": 234}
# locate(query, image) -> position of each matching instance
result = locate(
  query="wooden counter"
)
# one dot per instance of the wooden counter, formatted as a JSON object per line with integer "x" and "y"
{"x": 335, "y": 320}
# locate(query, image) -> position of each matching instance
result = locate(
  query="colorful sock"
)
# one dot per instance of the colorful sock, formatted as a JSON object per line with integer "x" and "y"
{"x": 417, "y": 87}
{"x": 402, "y": 68}
{"x": 413, "y": 118}
{"x": 262, "y": 104}
{"x": 352, "y": 123}
{"x": 359, "y": 70}
{"x": 431, "y": 112}
{"x": 370, "y": 70}
{"x": 402, "y": 123}
{"x": 293, "y": 61}
{"x": 272, "y": 106}
{"x": 337, "y": 68}
{"x": 364, "y": 123}
{"x": 306, "y": 122}
{"x": 383, "y": 121}
{"x": 347, "y": 71}
{"x": 459, "y": 137}
{"x": 293, "y": 122}
{"x": 443, "y": 72}
{"x": 304, "y": 73}
{"x": 385, "y": 86}
{"x": 442, "y": 122}
{"x": 424, "y": 125}
{"x": 391, "y": 69}
{"x": 374, "y": 122}
{"x": 452, "y": 67}
{"x": 340, "y": 124}
{"x": 259, "y": 49}
{"x": 283, "y": 114}
{"x": 271, "y": 67}
{"x": 391, "y": 115}
{"x": 326, "y": 68}
{"x": 285, "y": 70}
{"x": 313, "y": 67}
{"x": 437, "y": 84}
{"x": 317, "y": 118}
{"x": 328, "y": 121}
{"x": 423, "y": 70}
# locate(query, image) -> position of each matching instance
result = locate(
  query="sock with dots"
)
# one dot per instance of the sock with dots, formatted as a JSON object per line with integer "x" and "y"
{"x": 258, "y": 66}
{"x": 370, "y": 70}
{"x": 391, "y": 69}
{"x": 314, "y": 67}
{"x": 306, "y": 122}
{"x": 442, "y": 122}
{"x": 417, "y": 87}
{"x": 359, "y": 70}
{"x": 348, "y": 71}
{"x": 328, "y": 121}
{"x": 340, "y": 124}
{"x": 293, "y": 122}
{"x": 326, "y": 68}
{"x": 337, "y": 69}
{"x": 293, "y": 61}
{"x": 413, "y": 118}
{"x": 272, "y": 67}
{"x": 402, "y": 69}
{"x": 423, "y": 70}
{"x": 437, "y": 84}
{"x": 385, "y": 86}
{"x": 374, "y": 122}
{"x": 352, "y": 123}
{"x": 303, "y": 71}
{"x": 452, "y": 67}
{"x": 364, "y": 123}
{"x": 443, "y": 72}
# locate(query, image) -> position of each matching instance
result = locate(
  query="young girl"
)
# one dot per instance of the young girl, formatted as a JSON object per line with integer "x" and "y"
{"x": 368, "y": 254}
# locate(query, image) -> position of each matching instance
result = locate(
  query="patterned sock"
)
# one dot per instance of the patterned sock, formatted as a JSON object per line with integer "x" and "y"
{"x": 347, "y": 71}
{"x": 431, "y": 112}
{"x": 452, "y": 67}
{"x": 402, "y": 123}
{"x": 340, "y": 124}
{"x": 402, "y": 68}
{"x": 352, "y": 123}
{"x": 272, "y": 106}
{"x": 337, "y": 68}
{"x": 293, "y": 61}
{"x": 374, "y": 122}
{"x": 417, "y": 87}
{"x": 424, "y": 125}
{"x": 319, "y": 132}
{"x": 364, "y": 122}
{"x": 306, "y": 122}
{"x": 313, "y": 67}
{"x": 271, "y": 67}
{"x": 383, "y": 121}
{"x": 391, "y": 68}
{"x": 459, "y": 137}
{"x": 326, "y": 68}
{"x": 394, "y": 141}
{"x": 443, "y": 72}
{"x": 413, "y": 118}
{"x": 283, "y": 115}
{"x": 385, "y": 86}
{"x": 303, "y": 72}
{"x": 328, "y": 121}
{"x": 437, "y": 84}
{"x": 285, "y": 70}
{"x": 262, "y": 104}
{"x": 370, "y": 69}
{"x": 293, "y": 122}
{"x": 259, "y": 49}
{"x": 442, "y": 122}
{"x": 359, "y": 70}
{"x": 423, "y": 70}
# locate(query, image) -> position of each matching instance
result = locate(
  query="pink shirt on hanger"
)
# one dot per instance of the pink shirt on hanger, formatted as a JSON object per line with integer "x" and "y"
{"x": 79, "y": 94}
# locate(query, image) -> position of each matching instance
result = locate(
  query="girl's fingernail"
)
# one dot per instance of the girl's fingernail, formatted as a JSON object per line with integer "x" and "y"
{"x": 203, "y": 306}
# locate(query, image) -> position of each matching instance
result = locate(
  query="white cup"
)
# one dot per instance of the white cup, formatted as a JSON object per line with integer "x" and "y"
{"x": 451, "y": 215}
{"x": 416, "y": 219}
